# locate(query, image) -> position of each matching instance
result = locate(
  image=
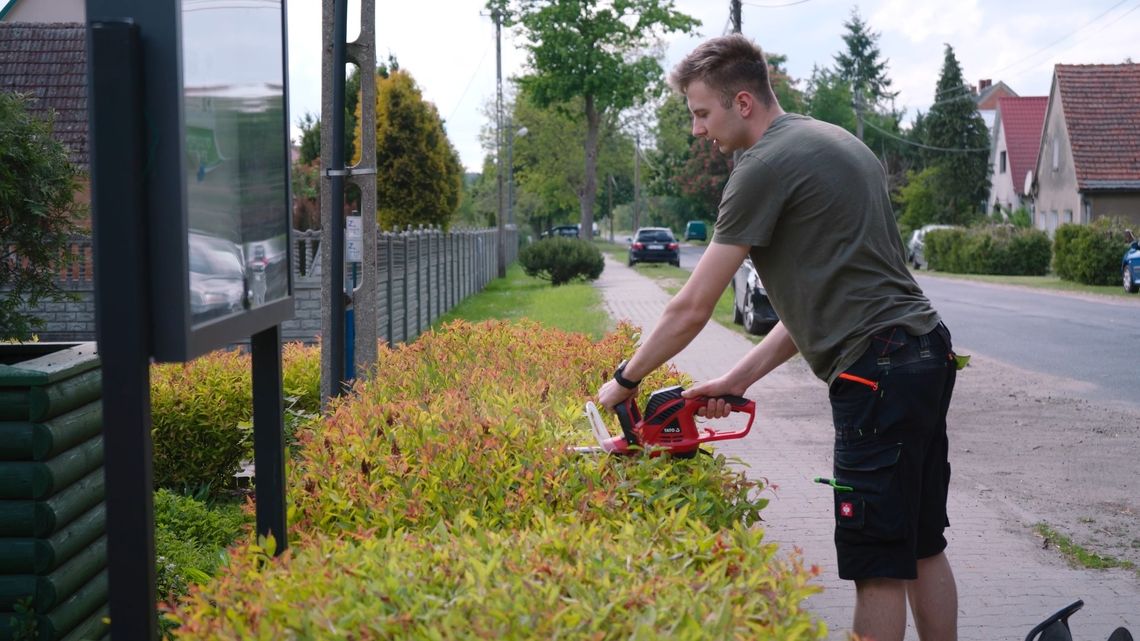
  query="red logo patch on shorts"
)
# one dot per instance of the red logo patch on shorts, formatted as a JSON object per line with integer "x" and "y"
{"x": 847, "y": 510}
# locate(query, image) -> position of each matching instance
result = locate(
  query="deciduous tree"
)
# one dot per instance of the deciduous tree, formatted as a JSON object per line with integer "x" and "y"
{"x": 596, "y": 51}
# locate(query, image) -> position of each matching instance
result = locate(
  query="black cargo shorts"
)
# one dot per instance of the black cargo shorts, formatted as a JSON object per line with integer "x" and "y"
{"x": 891, "y": 465}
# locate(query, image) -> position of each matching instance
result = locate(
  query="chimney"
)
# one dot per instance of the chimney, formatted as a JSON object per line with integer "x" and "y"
{"x": 984, "y": 84}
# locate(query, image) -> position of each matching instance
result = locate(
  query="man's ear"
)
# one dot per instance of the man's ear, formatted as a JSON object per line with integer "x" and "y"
{"x": 745, "y": 103}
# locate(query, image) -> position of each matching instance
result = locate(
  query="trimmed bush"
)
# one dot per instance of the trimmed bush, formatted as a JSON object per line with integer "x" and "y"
{"x": 201, "y": 413}
{"x": 443, "y": 501}
{"x": 562, "y": 581}
{"x": 997, "y": 249}
{"x": 1090, "y": 254}
{"x": 561, "y": 260}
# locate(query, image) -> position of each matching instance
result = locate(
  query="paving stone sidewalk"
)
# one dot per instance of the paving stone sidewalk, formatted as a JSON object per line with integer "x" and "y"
{"x": 1006, "y": 582}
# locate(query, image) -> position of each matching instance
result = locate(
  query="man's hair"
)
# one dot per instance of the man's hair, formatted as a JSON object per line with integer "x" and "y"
{"x": 728, "y": 65}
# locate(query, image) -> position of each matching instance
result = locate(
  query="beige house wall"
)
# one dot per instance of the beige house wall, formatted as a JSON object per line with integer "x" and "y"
{"x": 47, "y": 11}
{"x": 1004, "y": 186}
{"x": 1057, "y": 201}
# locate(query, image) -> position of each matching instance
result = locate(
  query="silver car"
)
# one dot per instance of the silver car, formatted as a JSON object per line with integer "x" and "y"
{"x": 750, "y": 304}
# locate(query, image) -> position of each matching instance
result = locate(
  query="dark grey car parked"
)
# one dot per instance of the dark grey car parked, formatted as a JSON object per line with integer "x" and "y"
{"x": 654, "y": 245}
{"x": 750, "y": 304}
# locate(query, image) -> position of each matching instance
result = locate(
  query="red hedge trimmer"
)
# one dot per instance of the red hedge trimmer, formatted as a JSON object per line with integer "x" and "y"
{"x": 668, "y": 426}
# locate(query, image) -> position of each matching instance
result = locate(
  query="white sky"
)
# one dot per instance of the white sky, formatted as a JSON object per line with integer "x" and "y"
{"x": 449, "y": 46}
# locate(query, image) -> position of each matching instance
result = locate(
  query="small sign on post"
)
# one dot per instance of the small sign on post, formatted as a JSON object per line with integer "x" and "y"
{"x": 353, "y": 239}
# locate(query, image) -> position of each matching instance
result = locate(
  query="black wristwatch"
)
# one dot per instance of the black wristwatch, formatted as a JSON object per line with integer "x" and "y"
{"x": 622, "y": 380}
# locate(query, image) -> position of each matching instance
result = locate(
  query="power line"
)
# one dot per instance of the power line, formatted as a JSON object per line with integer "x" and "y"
{"x": 918, "y": 144}
{"x": 774, "y": 6}
{"x": 1063, "y": 38}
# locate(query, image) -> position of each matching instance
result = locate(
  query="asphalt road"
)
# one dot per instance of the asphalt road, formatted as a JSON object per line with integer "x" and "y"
{"x": 1090, "y": 339}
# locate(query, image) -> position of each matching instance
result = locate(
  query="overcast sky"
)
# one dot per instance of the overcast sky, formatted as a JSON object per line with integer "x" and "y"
{"x": 449, "y": 46}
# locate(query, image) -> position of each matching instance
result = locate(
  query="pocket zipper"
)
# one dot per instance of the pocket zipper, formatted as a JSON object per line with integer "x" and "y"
{"x": 859, "y": 379}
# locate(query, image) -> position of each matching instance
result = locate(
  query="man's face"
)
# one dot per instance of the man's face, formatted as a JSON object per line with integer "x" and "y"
{"x": 712, "y": 120}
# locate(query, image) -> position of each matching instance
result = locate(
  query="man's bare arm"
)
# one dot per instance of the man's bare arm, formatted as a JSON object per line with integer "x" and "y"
{"x": 683, "y": 318}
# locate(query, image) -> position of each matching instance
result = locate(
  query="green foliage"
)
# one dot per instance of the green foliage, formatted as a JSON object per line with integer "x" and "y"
{"x": 559, "y": 581}
{"x": 419, "y": 176}
{"x": 201, "y": 413}
{"x": 561, "y": 260}
{"x": 919, "y": 200}
{"x": 996, "y": 249}
{"x": 1021, "y": 218}
{"x": 190, "y": 537}
{"x": 596, "y": 54}
{"x": 962, "y": 142}
{"x": 1090, "y": 254}
{"x": 860, "y": 67}
{"x": 829, "y": 98}
{"x": 38, "y": 215}
{"x": 445, "y": 502}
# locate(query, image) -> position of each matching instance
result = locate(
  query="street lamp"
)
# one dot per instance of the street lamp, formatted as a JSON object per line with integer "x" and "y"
{"x": 511, "y": 133}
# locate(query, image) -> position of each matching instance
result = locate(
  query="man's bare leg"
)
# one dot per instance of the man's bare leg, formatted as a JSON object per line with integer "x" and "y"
{"x": 933, "y": 599}
{"x": 880, "y": 609}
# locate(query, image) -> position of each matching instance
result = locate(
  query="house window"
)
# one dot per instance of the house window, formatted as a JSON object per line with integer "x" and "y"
{"x": 1056, "y": 153}
{"x": 1068, "y": 216}
{"x": 1002, "y": 170}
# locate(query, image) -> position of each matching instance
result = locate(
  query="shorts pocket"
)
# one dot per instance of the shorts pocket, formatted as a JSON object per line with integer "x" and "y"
{"x": 853, "y": 409}
{"x": 873, "y": 509}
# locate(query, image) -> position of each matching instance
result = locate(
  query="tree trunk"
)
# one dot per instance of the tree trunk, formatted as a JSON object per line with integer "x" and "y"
{"x": 589, "y": 190}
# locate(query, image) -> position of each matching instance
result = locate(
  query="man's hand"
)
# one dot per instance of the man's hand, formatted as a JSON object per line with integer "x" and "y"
{"x": 611, "y": 394}
{"x": 716, "y": 408}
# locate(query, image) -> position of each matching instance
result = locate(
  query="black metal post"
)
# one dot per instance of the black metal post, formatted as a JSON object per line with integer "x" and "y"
{"x": 336, "y": 167}
{"x": 269, "y": 435}
{"x": 122, "y": 320}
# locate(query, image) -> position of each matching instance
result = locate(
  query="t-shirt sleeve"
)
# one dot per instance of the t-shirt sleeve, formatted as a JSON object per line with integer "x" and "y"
{"x": 751, "y": 204}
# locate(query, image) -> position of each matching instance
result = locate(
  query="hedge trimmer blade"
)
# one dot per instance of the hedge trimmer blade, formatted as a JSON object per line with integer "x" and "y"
{"x": 606, "y": 442}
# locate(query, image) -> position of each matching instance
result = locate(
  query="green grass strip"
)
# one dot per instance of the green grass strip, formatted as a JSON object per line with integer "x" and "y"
{"x": 1076, "y": 554}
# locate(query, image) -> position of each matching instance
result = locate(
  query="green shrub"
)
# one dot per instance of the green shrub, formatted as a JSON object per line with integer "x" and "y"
{"x": 991, "y": 249}
{"x": 38, "y": 215}
{"x": 1090, "y": 254}
{"x": 201, "y": 413}
{"x": 445, "y": 502}
{"x": 190, "y": 538}
{"x": 567, "y": 581}
{"x": 561, "y": 260}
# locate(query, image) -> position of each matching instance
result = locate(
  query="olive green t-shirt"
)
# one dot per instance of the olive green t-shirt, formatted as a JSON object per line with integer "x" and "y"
{"x": 811, "y": 200}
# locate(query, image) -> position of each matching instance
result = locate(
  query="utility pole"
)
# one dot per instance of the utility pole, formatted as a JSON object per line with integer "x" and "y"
{"x": 497, "y": 16}
{"x": 636, "y": 180}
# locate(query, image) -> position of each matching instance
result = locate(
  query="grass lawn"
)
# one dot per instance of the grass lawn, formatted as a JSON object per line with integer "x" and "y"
{"x": 576, "y": 307}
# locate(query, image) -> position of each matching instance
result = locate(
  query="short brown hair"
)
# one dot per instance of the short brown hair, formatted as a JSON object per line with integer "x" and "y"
{"x": 728, "y": 64}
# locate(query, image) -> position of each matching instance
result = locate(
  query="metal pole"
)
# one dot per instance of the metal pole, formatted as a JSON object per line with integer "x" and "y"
{"x": 501, "y": 241}
{"x": 122, "y": 321}
{"x": 269, "y": 435}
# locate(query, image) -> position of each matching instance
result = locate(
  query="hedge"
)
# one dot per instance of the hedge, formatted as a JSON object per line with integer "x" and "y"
{"x": 441, "y": 500}
{"x": 993, "y": 249}
{"x": 561, "y": 260}
{"x": 1090, "y": 254}
{"x": 201, "y": 414}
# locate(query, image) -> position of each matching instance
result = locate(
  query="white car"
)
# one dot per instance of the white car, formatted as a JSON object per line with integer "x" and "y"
{"x": 914, "y": 248}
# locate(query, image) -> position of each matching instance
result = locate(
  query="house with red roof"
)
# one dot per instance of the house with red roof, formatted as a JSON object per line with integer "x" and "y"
{"x": 1016, "y": 136}
{"x": 1088, "y": 160}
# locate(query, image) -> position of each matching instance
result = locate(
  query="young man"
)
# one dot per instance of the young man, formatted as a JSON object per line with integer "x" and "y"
{"x": 809, "y": 203}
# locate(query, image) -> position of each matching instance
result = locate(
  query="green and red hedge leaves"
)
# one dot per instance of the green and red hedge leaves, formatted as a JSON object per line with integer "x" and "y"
{"x": 679, "y": 580}
{"x": 479, "y": 419}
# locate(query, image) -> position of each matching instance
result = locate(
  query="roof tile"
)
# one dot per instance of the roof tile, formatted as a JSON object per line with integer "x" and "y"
{"x": 1101, "y": 104}
{"x": 49, "y": 63}
{"x": 1021, "y": 123}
